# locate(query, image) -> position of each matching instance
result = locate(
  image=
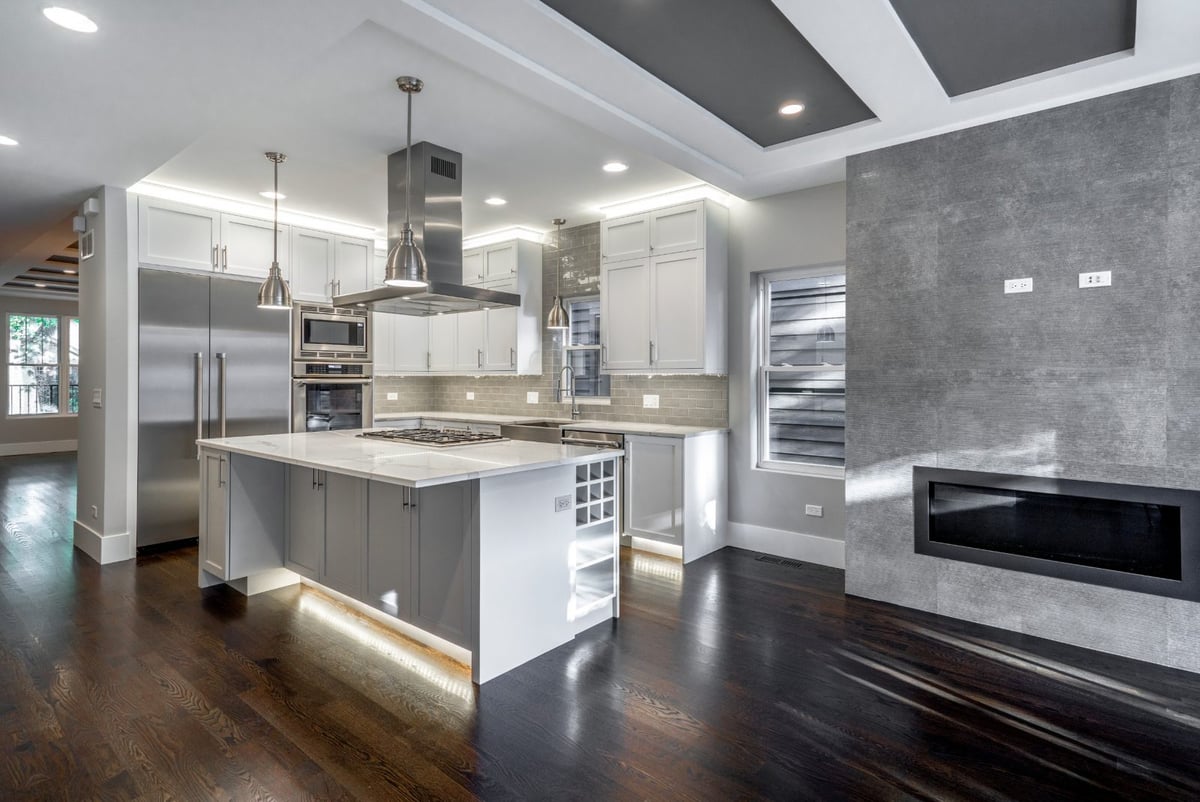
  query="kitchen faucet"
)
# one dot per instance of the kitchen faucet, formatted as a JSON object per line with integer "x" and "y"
{"x": 567, "y": 369}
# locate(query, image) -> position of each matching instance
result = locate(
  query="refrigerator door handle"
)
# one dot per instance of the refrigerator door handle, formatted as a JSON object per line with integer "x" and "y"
{"x": 222, "y": 362}
{"x": 199, "y": 406}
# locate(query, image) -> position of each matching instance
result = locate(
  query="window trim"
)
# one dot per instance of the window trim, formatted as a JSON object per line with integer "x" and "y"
{"x": 598, "y": 400}
{"x": 64, "y": 368}
{"x": 763, "y": 369}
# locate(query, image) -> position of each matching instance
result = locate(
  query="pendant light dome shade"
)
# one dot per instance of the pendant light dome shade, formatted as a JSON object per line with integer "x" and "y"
{"x": 274, "y": 292}
{"x": 406, "y": 263}
{"x": 558, "y": 320}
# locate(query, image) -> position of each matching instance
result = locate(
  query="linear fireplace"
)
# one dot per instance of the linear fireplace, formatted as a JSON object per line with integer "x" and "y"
{"x": 1145, "y": 539}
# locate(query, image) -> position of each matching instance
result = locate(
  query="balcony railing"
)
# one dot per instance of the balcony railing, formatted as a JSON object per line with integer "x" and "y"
{"x": 40, "y": 399}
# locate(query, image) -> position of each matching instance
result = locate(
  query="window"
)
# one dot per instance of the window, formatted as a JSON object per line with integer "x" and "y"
{"x": 43, "y": 365}
{"x": 802, "y": 381}
{"x": 581, "y": 348}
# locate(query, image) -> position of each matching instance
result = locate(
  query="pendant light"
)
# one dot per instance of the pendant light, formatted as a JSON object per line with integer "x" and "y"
{"x": 557, "y": 319}
{"x": 275, "y": 292}
{"x": 406, "y": 263}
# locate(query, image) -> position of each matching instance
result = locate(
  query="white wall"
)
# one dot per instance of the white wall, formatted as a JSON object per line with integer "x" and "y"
{"x": 107, "y": 336}
{"x": 766, "y": 508}
{"x": 29, "y": 435}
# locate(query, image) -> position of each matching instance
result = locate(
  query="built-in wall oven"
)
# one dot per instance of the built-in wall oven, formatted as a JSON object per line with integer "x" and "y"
{"x": 331, "y": 395}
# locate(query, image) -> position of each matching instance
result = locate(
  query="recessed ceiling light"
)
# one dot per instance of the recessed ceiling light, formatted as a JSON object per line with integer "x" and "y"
{"x": 495, "y": 201}
{"x": 269, "y": 195}
{"x": 39, "y": 285}
{"x": 791, "y": 109}
{"x": 69, "y": 271}
{"x": 9, "y": 141}
{"x": 616, "y": 167}
{"x": 71, "y": 20}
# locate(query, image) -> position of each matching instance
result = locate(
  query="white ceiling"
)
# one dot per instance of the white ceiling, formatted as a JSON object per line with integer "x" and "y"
{"x": 191, "y": 92}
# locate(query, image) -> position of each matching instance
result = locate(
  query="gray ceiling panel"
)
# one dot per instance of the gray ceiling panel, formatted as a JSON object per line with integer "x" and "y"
{"x": 974, "y": 44}
{"x": 739, "y": 59}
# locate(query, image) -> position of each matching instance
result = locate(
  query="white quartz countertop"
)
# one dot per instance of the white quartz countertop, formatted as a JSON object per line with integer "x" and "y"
{"x": 403, "y": 464}
{"x": 625, "y": 427}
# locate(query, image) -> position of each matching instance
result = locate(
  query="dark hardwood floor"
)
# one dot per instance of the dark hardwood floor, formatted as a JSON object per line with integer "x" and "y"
{"x": 736, "y": 679}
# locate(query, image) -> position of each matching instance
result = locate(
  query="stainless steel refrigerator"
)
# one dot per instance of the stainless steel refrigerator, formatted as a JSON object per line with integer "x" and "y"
{"x": 211, "y": 363}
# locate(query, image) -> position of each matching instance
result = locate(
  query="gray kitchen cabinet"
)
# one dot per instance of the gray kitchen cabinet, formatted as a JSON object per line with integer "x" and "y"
{"x": 389, "y": 549}
{"x": 306, "y": 521}
{"x": 241, "y": 522}
{"x": 342, "y": 559}
{"x": 442, "y": 575}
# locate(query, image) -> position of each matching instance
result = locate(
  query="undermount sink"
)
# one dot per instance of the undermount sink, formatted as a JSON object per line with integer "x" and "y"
{"x": 538, "y": 431}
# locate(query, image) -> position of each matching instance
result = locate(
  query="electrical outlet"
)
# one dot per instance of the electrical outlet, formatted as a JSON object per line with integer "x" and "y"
{"x": 531, "y": 397}
{"x": 562, "y": 503}
{"x": 1012, "y": 285}
{"x": 95, "y": 512}
{"x": 393, "y": 396}
{"x": 470, "y": 395}
{"x": 815, "y": 510}
{"x": 650, "y": 402}
{"x": 1102, "y": 278}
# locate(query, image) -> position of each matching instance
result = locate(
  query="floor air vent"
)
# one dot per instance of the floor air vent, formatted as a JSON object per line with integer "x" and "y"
{"x": 767, "y": 558}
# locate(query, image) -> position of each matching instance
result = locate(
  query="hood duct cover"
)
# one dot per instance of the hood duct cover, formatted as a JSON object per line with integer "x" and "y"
{"x": 437, "y": 230}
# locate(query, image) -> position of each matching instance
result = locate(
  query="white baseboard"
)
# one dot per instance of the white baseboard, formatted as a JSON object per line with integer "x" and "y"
{"x": 103, "y": 549}
{"x": 43, "y": 447}
{"x": 795, "y": 545}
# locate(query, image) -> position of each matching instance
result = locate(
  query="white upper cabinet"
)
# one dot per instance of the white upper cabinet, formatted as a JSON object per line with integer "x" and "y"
{"x": 412, "y": 344}
{"x": 677, "y": 311}
{"x": 175, "y": 235}
{"x": 625, "y": 315}
{"x": 383, "y": 342}
{"x": 625, "y": 238}
{"x": 311, "y": 265}
{"x": 680, "y": 228}
{"x": 443, "y": 336}
{"x": 353, "y": 263}
{"x": 379, "y": 270}
{"x": 247, "y": 246}
{"x": 500, "y": 340}
{"x": 500, "y": 263}
{"x": 469, "y": 348}
{"x": 473, "y": 261}
{"x": 664, "y": 310}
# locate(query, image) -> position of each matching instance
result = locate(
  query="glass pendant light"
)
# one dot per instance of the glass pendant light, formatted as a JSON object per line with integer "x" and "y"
{"x": 406, "y": 263}
{"x": 557, "y": 320}
{"x": 275, "y": 292}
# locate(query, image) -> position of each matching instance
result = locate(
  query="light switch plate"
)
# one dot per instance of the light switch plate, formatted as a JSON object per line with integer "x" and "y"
{"x": 470, "y": 395}
{"x": 650, "y": 402}
{"x": 562, "y": 503}
{"x": 393, "y": 396}
{"x": 815, "y": 510}
{"x": 97, "y": 398}
{"x": 1018, "y": 285}
{"x": 531, "y": 397}
{"x": 1101, "y": 278}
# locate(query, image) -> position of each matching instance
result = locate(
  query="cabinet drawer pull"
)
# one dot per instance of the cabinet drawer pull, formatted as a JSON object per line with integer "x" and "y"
{"x": 479, "y": 358}
{"x": 224, "y": 258}
{"x": 652, "y": 352}
{"x": 215, "y": 262}
{"x": 512, "y": 357}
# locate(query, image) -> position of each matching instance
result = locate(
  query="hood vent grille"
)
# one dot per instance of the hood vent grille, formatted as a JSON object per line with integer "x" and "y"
{"x": 444, "y": 168}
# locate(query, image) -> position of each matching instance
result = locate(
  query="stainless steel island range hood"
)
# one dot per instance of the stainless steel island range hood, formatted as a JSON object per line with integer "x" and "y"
{"x": 437, "y": 229}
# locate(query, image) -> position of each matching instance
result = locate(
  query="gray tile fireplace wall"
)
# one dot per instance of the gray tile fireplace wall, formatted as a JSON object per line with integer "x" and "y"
{"x": 687, "y": 400}
{"x": 1094, "y": 384}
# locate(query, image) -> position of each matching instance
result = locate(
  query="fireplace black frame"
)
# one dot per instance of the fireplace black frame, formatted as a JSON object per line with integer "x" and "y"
{"x": 1188, "y": 502}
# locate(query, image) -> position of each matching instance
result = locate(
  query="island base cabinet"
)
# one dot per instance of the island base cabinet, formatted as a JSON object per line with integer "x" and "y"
{"x": 306, "y": 521}
{"x": 241, "y": 520}
{"x": 389, "y": 549}
{"x": 443, "y": 579}
{"x": 342, "y": 563}
{"x": 214, "y": 526}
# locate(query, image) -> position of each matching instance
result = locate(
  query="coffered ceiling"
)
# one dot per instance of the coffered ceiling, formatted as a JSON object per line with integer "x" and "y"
{"x": 191, "y": 93}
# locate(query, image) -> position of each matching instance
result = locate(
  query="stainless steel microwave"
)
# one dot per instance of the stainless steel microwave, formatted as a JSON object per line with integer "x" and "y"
{"x": 323, "y": 332}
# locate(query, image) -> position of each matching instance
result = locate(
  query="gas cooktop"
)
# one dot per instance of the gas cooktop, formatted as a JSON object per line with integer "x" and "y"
{"x": 434, "y": 438}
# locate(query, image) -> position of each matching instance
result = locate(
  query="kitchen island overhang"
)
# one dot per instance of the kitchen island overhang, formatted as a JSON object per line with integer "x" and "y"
{"x": 504, "y": 550}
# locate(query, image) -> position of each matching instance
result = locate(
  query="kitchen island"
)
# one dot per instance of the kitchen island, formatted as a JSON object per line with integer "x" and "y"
{"x": 493, "y": 553}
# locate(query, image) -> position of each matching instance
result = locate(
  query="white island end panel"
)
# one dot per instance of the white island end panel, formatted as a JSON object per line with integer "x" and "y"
{"x": 523, "y": 567}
